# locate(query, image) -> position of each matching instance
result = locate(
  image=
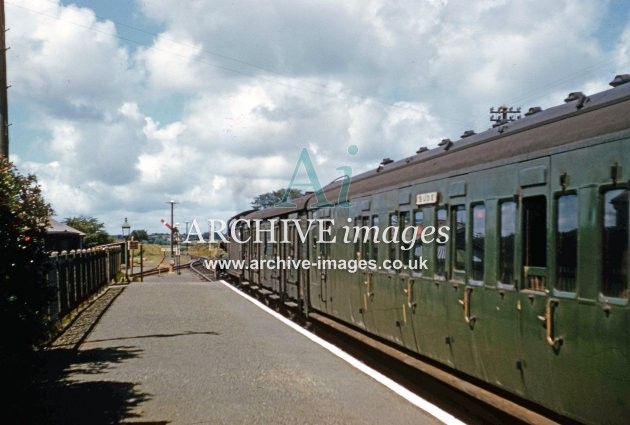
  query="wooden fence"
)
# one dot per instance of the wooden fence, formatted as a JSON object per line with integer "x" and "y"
{"x": 75, "y": 276}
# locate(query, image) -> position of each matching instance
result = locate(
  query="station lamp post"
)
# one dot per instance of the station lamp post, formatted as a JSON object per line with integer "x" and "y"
{"x": 126, "y": 229}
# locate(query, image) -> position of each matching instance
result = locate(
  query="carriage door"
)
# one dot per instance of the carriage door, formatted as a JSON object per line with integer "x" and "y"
{"x": 292, "y": 253}
{"x": 255, "y": 250}
{"x": 462, "y": 298}
{"x": 277, "y": 253}
{"x": 533, "y": 263}
{"x": 318, "y": 275}
{"x": 245, "y": 252}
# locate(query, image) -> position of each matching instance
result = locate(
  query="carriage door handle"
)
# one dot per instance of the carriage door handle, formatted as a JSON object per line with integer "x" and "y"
{"x": 368, "y": 294}
{"x": 409, "y": 292}
{"x": 549, "y": 328}
{"x": 368, "y": 284}
{"x": 466, "y": 303}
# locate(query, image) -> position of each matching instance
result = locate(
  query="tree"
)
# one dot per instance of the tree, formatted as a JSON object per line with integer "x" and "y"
{"x": 140, "y": 235}
{"x": 24, "y": 294}
{"x": 269, "y": 199}
{"x": 94, "y": 230}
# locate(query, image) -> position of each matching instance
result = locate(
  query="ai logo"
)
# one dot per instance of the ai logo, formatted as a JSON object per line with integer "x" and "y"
{"x": 305, "y": 161}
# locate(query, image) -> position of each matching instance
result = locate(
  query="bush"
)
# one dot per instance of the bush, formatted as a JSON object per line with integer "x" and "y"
{"x": 94, "y": 230}
{"x": 24, "y": 295}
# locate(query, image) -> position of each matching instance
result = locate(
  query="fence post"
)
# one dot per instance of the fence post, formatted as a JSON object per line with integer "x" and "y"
{"x": 72, "y": 279}
{"x": 99, "y": 268}
{"x": 80, "y": 261}
{"x": 83, "y": 281}
{"x": 95, "y": 282}
{"x": 62, "y": 272}
{"x": 87, "y": 260}
{"x": 89, "y": 267}
{"x": 90, "y": 264}
{"x": 52, "y": 279}
{"x": 108, "y": 269}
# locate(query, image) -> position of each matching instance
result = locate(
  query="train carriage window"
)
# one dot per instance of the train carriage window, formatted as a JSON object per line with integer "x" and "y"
{"x": 245, "y": 246}
{"x": 270, "y": 246}
{"x": 478, "y": 242}
{"x": 393, "y": 222}
{"x": 615, "y": 244}
{"x": 366, "y": 244}
{"x": 566, "y": 242}
{"x": 324, "y": 248}
{"x": 506, "y": 248}
{"x": 459, "y": 241}
{"x": 535, "y": 241}
{"x": 239, "y": 233}
{"x": 418, "y": 221}
{"x": 405, "y": 254}
{"x": 374, "y": 250}
{"x": 294, "y": 247}
{"x": 264, "y": 245}
{"x": 358, "y": 237}
{"x": 440, "y": 257}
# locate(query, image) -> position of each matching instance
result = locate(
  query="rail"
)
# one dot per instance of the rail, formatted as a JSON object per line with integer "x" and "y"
{"x": 197, "y": 267}
{"x": 159, "y": 270}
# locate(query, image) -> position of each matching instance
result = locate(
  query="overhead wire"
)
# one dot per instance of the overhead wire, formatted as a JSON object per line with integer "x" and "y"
{"x": 563, "y": 81}
{"x": 190, "y": 45}
{"x": 546, "y": 88}
{"x": 141, "y": 44}
{"x": 521, "y": 98}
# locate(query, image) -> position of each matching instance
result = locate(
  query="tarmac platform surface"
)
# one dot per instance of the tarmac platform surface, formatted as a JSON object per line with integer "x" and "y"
{"x": 193, "y": 352}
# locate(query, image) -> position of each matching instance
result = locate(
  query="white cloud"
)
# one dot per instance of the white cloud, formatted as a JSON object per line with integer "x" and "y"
{"x": 622, "y": 54}
{"x": 217, "y": 108}
{"x": 64, "y": 61}
{"x": 173, "y": 65}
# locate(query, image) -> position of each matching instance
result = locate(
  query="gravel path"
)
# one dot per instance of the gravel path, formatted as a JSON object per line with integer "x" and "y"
{"x": 81, "y": 326}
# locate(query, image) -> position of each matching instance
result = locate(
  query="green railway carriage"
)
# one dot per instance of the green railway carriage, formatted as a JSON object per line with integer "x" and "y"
{"x": 529, "y": 293}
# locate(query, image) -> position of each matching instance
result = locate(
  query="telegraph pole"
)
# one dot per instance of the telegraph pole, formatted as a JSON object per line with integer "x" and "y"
{"x": 504, "y": 114}
{"x": 4, "y": 107}
{"x": 186, "y": 236}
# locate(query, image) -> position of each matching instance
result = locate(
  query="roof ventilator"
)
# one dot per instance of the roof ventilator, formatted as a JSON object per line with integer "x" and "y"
{"x": 620, "y": 79}
{"x": 446, "y": 144}
{"x": 533, "y": 110}
{"x": 383, "y": 163}
{"x": 579, "y": 96}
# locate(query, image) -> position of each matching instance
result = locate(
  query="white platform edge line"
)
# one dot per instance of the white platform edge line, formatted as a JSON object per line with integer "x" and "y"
{"x": 414, "y": 399}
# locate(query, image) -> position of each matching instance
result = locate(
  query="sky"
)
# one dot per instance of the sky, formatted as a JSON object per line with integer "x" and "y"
{"x": 119, "y": 107}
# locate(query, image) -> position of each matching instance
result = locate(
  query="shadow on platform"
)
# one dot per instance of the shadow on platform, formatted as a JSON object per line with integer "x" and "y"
{"x": 56, "y": 396}
{"x": 158, "y": 336}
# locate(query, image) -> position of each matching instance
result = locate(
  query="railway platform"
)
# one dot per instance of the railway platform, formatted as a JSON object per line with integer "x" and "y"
{"x": 177, "y": 350}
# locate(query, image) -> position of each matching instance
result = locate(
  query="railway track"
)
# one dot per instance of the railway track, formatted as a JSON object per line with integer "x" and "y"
{"x": 159, "y": 270}
{"x": 469, "y": 401}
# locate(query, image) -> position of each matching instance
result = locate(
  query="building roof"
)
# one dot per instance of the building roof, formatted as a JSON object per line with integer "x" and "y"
{"x": 55, "y": 227}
